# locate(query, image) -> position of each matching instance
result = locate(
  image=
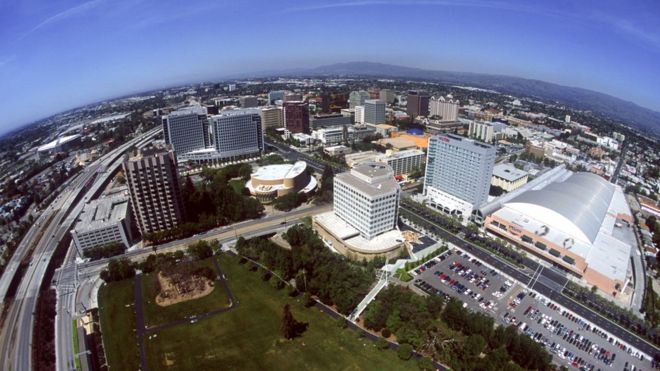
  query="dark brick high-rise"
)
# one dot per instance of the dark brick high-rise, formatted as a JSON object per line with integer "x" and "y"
{"x": 296, "y": 116}
{"x": 418, "y": 103}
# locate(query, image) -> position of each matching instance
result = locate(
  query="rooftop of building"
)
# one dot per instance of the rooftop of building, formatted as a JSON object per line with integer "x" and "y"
{"x": 236, "y": 112}
{"x": 371, "y": 178}
{"x": 189, "y": 110}
{"x": 352, "y": 238}
{"x": 280, "y": 171}
{"x": 508, "y": 172}
{"x": 103, "y": 212}
{"x": 405, "y": 153}
{"x": 57, "y": 142}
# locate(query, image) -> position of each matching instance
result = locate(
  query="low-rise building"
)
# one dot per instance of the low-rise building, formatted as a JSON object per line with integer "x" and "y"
{"x": 103, "y": 221}
{"x": 339, "y": 150}
{"x": 579, "y": 222}
{"x": 404, "y": 162}
{"x": 508, "y": 177}
{"x": 272, "y": 181}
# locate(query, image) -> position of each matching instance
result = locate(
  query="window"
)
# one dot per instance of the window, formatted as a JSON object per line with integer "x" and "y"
{"x": 540, "y": 245}
{"x": 526, "y": 238}
{"x": 568, "y": 260}
{"x": 554, "y": 253}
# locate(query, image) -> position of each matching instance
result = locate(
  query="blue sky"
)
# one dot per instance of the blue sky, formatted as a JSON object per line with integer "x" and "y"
{"x": 60, "y": 54}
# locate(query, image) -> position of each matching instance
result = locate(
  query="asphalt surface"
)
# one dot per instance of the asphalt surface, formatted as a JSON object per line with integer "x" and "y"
{"x": 546, "y": 282}
{"x": 501, "y": 292}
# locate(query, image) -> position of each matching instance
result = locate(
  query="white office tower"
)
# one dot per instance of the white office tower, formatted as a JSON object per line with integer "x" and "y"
{"x": 357, "y": 98}
{"x": 444, "y": 108}
{"x": 238, "y": 134}
{"x": 187, "y": 129}
{"x": 374, "y": 112}
{"x": 359, "y": 115}
{"x": 458, "y": 173}
{"x": 367, "y": 198}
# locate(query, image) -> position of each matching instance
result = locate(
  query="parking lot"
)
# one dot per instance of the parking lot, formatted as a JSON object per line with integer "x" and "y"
{"x": 572, "y": 341}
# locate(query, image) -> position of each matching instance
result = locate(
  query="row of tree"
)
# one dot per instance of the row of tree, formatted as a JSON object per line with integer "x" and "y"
{"x": 316, "y": 270}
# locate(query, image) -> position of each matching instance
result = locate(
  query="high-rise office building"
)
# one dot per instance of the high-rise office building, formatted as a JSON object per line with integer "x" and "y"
{"x": 359, "y": 115}
{"x": 248, "y": 101}
{"x": 238, "y": 133}
{"x": 274, "y": 96}
{"x": 367, "y": 198}
{"x": 458, "y": 173}
{"x": 153, "y": 187}
{"x": 387, "y": 95}
{"x": 186, "y": 129}
{"x": 272, "y": 117}
{"x": 374, "y": 112}
{"x": 418, "y": 103}
{"x": 296, "y": 117}
{"x": 357, "y": 98}
{"x": 444, "y": 108}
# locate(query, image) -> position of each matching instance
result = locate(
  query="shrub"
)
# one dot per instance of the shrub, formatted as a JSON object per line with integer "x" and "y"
{"x": 386, "y": 333}
{"x": 382, "y": 344}
{"x": 405, "y": 351}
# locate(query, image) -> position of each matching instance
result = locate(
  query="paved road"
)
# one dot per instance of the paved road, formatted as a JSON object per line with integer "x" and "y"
{"x": 549, "y": 283}
{"x": 139, "y": 320}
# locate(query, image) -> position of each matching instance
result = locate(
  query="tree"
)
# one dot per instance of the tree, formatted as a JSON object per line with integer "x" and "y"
{"x": 426, "y": 364}
{"x": 289, "y": 201}
{"x": 405, "y": 351}
{"x": 327, "y": 183}
{"x": 118, "y": 269}
{"x": 291, "y": 328}
{"x": 200, "y": 250}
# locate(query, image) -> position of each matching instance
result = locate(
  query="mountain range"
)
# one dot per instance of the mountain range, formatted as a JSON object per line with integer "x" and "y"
{"x": 627, "y": 112}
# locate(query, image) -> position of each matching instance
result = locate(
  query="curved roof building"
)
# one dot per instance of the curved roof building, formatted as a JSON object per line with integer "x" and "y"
{"x": 578, "y": 221}
{"x": 578, "y": 204}
{"x": 272, "y": 181}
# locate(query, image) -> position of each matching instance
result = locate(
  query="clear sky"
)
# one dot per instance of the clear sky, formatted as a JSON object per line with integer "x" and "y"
{"x": 60, "y": 54}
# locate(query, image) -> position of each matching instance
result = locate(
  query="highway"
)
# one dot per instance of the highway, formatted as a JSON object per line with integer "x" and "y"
{"x": 544, "y": 281}
{"x": 39, "y": 245}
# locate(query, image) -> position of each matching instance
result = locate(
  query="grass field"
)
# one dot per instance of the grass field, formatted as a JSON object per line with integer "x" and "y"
{"x": 154, "y": 314}
{"x": 117, "y": 311}
{"x": 248, "y": 337}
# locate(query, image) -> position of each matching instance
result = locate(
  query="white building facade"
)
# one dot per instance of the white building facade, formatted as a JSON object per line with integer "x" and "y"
{"x": 446, "y": 109}
{"x": 367, "y": 198}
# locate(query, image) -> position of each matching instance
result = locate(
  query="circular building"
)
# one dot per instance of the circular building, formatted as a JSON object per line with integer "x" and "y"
{"x": 272, "y": 181}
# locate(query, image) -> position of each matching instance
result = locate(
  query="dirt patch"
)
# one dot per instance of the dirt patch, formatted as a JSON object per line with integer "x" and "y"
{"x": 177, "y": 288}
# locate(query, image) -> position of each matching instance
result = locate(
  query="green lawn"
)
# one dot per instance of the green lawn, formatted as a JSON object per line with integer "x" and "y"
{"x": 237, "y": 185}
{"x": 117, "y": 311}
{"x": 154, "y": 314}
{"x": 248, "y": 337}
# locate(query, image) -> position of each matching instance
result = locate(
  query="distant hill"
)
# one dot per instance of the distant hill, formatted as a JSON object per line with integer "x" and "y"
{"x": 639, "y": 117}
